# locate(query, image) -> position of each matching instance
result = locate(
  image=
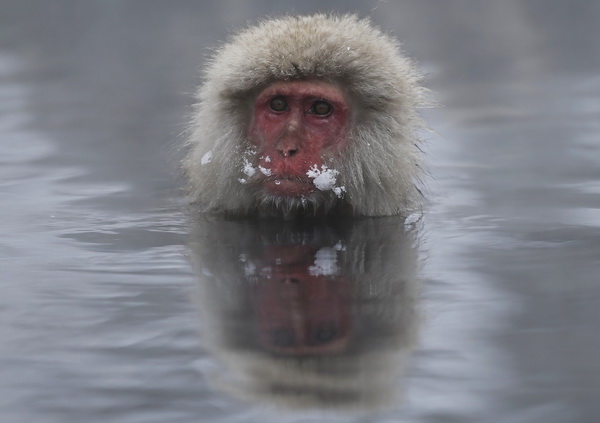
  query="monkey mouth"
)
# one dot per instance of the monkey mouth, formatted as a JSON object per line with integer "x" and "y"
{"x": 290, "y": 186}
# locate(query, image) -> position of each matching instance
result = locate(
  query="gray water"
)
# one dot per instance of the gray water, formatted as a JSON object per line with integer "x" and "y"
{"x": 119, "y": 304}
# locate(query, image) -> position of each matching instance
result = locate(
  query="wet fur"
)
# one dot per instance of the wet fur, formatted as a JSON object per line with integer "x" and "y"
{"x": 381, "y": 168}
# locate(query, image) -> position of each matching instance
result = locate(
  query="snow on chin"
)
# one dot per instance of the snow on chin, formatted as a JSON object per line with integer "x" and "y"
{"x": 249, "y": 170}
{"x": 324, "y": 179}
{"x": 265, "y": 171}
{"x": 339, "y": 191}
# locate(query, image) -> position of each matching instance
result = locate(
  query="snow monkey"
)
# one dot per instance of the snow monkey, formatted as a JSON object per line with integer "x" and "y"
{"x": 307, "y": 115}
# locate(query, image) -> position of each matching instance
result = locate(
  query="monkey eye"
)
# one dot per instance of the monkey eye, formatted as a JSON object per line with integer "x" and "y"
{"x": 321, "y": 108}
{"x": 278, "y": 104}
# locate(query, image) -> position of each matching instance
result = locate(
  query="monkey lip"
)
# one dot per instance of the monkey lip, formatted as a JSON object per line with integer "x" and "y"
{"x": 288, "y": 185}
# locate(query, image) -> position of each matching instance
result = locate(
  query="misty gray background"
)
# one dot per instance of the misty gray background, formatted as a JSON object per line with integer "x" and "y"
{"x": 97, "y": 320}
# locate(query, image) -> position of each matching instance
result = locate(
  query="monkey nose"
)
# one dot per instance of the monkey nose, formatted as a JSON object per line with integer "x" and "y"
{"x": 288, "y": 152}
{"x": 287, "y": 148}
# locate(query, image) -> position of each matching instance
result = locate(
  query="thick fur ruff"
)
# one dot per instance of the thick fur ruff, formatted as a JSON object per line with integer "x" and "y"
{"x": 380, "y": 169}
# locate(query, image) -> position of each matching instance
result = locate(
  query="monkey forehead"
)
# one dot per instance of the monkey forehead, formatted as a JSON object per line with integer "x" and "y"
{"x": 345, "y": 49}
{"x": 321, "y": 90}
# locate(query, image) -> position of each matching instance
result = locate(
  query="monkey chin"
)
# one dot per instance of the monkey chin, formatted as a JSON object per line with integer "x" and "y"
{"x": 288, "y": 204}
{"x": 288, "y": 187}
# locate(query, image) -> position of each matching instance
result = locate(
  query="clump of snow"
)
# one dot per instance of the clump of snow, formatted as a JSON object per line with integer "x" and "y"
{"x": 339, "y": 191}
{"x": 206, "y": 158}
{"x": 339, "y": 246}
{"x": 248, "y": 168}
{"x": 265, "y": 171}
{"x": 413, "y": 218}
{"x": 324, "y": 179}
{"x": 325, "y": 263}
{"x": 267, "y": 159}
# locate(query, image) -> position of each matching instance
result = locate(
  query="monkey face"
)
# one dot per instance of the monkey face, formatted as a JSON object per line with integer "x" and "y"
{"x": 295, "y": 125}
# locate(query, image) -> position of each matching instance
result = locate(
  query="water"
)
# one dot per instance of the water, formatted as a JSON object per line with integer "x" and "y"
{"x": 119, "y": 304}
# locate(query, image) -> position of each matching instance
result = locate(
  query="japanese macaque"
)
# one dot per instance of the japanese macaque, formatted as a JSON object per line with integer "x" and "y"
{"x": 307, "y": 115}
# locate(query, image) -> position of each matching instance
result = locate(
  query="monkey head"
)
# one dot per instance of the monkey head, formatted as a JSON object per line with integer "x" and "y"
{"x": 307, "y": 115}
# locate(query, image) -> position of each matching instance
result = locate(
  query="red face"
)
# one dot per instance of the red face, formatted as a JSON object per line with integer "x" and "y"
{"x": 295, "y": 123}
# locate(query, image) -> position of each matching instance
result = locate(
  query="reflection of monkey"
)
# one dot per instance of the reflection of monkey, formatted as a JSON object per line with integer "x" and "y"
{"x": 308, "y": 314}
{"x": 307, "y": 115}
{"x": 302, "y": 300}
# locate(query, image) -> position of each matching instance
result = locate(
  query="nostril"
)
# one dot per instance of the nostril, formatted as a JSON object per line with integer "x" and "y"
{"x": 287, "y": 147}
{"x": 288, "y": 152}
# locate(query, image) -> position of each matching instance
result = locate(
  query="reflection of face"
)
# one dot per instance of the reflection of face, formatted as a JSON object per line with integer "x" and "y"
{"x": 301, "y": 313}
